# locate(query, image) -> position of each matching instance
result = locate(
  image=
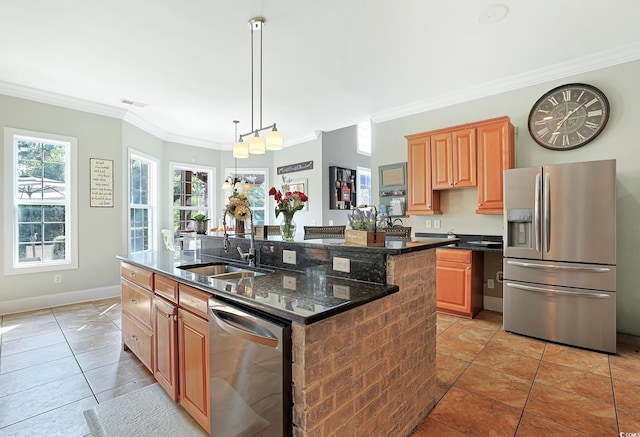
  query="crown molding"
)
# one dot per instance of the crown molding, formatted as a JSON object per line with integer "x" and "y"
{"x": 596, "y": 61}
{"x": 28, "y": 93}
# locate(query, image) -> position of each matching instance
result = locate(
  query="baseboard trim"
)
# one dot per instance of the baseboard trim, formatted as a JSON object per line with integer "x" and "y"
{"x": 493, "y": 303}
{"x": 58, "y": 299}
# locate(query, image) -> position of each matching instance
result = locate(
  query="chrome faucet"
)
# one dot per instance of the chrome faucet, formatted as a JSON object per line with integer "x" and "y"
{"x": 250, "y": 257}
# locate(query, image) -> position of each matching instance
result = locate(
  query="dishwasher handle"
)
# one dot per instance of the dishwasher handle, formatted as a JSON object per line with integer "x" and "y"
{"x": 243, "y": 328}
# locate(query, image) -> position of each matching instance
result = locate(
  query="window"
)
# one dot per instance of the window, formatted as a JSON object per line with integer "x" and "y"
{"x": 192, "y": 194}
{"x": 142, "y": 201}
{"x": 40, "y": 190}
{"x": 257, "y": 195}
{"x": 364, "y": 186}
{"x": 364, "y": 138}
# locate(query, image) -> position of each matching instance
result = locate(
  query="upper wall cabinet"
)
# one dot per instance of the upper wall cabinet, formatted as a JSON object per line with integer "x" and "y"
{"x": 453, "y": 159}
{"x": 495, "y": 154}
{"x": 474, "y": 154}
{"x": 421, "y": 197}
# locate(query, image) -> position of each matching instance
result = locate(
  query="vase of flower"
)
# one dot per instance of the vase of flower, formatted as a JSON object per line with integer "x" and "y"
{"x": 288, "y": 226}
{"x": 287, "y": 204}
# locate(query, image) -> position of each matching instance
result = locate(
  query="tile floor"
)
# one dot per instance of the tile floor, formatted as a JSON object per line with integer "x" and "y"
{"x": 58, "y": 362}
{"x": 490, "y": 382}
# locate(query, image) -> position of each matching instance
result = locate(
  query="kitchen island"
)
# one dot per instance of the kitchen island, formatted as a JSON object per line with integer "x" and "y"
{"x": 363, "y": 353}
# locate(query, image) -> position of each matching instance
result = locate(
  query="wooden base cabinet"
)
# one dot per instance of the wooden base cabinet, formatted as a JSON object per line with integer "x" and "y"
{"x": 459, "y": 276}
{"x": 193, "y": 353}
{"x": 137, "y": 306}
{"x": 165, "y": 348}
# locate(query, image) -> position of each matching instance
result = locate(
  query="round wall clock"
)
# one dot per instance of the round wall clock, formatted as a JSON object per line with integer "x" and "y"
{"x": 568, "y": 116}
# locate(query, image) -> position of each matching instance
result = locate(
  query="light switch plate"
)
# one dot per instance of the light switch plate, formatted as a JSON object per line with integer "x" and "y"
{"x": 341, "y": 264}
{"x": 436, "y": 224}
{"x": 342, "y": 291}
{"x": 289, "y": 256}
{"x": 428, "y": 224}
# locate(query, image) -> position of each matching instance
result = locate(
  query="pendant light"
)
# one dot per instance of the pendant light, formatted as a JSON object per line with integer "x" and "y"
{"x": 240, "y": 149}
{"x": 273, "y": 139}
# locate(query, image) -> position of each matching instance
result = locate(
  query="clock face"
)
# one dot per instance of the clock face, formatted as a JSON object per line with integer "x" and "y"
{"x": 568, "y": 116}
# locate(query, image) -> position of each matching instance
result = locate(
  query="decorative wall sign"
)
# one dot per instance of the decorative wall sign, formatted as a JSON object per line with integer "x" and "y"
{"x": 300, "y": 166}
{"x": 101, "y": 183}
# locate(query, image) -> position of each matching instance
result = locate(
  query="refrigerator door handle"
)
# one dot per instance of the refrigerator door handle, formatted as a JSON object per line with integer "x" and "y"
{"x": 547, "y": 212}
{"x": 536, "y": 213}
{"x": 546, "y": 266}
{"x": 551, "y": 290}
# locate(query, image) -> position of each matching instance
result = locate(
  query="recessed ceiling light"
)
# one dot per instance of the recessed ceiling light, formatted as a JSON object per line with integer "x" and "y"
{"x": 492, "y": 14}
{"x": 133, "y": 103}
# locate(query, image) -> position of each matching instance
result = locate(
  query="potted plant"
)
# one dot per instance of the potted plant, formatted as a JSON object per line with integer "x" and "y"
{"x": 200, "y": 223}
{"x": 364, "y": 228}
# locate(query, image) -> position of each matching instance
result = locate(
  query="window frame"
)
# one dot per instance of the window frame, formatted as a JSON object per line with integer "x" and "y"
{"x": 173, "y": 166}
{"x": 244, "y": 171}
{"x": 11, "y": 251}
{"x": 364, "y": 138}
{"x": 359, "y": 171}
{"x": 152, "y": 199}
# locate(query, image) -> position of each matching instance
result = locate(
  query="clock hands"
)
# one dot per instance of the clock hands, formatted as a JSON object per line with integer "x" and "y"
{"x": 569, "y": 114}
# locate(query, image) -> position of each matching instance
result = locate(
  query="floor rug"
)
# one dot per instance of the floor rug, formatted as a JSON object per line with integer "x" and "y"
{"x": 141, "y": 413}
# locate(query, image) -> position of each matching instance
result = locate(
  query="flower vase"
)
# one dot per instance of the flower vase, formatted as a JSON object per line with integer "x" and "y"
{"x": 239, "y": 227}
{"x": 287, "y": 227}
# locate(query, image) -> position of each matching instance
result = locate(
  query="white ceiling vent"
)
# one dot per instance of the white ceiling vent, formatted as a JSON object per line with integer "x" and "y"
{"x": 133, "y": 103}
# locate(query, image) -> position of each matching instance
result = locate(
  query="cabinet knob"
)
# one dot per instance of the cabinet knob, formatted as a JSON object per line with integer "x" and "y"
{"x": 468, "y": 268}
{"x": 134, "y": 338}
{"x": 133, "y": 275}
{"x": 429, "y": 206}
{"x": 479, "y": 204}
{"x": 133, "y": 301}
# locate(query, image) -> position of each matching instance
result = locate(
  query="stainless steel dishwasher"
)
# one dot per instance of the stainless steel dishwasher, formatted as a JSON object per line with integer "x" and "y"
{"x": 250, "y": 361}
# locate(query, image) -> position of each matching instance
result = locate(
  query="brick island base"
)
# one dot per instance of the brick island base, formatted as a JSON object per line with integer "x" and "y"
{"x": 370, "y": 370}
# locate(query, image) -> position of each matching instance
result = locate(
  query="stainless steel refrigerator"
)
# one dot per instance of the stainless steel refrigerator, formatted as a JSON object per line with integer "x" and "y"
{"x": 560, "y": 253}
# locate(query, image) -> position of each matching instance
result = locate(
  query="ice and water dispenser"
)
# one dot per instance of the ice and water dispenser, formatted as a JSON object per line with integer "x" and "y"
{"x": 520, "y": 228}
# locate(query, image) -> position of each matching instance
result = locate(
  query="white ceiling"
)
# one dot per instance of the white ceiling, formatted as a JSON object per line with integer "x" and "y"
{"x": 327, "y": 63}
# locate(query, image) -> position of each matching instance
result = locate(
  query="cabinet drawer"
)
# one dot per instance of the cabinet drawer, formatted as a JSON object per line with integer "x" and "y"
{"x": 454, "y": 255}
{"x": 137, "y": 301}
{"x": 139, "y": 339}
{"x": 165, "y": 287}
{"x": 138, "y": 275}
{"x": 194, "y": 300}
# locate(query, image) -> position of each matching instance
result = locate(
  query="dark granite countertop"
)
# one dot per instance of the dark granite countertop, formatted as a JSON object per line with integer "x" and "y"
{"x": 392, "y": 246}
{"x": 294, "y": 296}
{"x": 483, "y": 243}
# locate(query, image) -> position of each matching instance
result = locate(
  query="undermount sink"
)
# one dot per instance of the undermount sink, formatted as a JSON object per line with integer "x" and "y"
{"x": 220, "y": 271}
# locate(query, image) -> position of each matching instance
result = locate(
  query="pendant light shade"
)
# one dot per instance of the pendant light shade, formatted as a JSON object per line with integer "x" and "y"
{"x": 256, "y": 145}
{"x": 240, "y": 150}
{"x": 274, "y": 139}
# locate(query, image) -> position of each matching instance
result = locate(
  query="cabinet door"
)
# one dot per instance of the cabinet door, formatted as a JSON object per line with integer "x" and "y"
{"x": 495, "y": 154}
{"x": 463, "y": 144}
{"x": 165, "y": 344}
{"x": 453, "y": 286}
{"x": 138, "y": 338}
{"x": 422, "y": 198}
{"x": 441, "y": 165}
{"x": 193, "y": 341}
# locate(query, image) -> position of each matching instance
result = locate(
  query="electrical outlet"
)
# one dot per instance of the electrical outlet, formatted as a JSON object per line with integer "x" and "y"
{"x": 289, "y": 282}
{"x": 428, "y": 224}
{"x": 341, "y": 264}
{"x": 342, "y": 291}
{"x": 436, "y": 224}
{"x": 289, "y": 256}
{"x": 490, "y": 283}
{"x": 57, "y": 278}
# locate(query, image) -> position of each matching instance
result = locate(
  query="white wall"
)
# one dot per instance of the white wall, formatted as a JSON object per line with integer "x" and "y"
{"x": 99, "y": 229}
{"x": 618, "y": 141}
